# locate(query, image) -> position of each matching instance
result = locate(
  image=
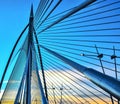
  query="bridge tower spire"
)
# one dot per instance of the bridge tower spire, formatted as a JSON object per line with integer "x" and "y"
{"x": 29, "y": 70}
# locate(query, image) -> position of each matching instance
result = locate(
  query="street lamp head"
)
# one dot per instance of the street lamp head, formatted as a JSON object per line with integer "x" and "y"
{"x": 82, "y": 54}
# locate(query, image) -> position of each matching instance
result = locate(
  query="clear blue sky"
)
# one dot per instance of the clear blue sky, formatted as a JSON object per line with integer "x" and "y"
{"x": 14, "y": 15}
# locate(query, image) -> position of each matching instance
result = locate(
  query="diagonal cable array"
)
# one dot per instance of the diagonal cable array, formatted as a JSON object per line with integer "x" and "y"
{"x": 71, "y": 55}
{"x": 90, "y": 37}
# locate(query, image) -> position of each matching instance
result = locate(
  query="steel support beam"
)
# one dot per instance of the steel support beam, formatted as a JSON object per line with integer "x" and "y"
{"x": 44, "y": 100}
{"x": 41, "y": 64}
{"x": 28, "y": 81}
{"x": 107, "y": 83}
{"x": 29, "y": 70}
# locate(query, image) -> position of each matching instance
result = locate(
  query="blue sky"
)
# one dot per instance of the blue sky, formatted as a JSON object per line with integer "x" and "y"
{"x": 13, "y": 18}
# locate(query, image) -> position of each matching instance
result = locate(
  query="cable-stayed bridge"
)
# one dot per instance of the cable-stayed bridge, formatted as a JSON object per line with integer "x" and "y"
{"x": 68, "y": 53}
